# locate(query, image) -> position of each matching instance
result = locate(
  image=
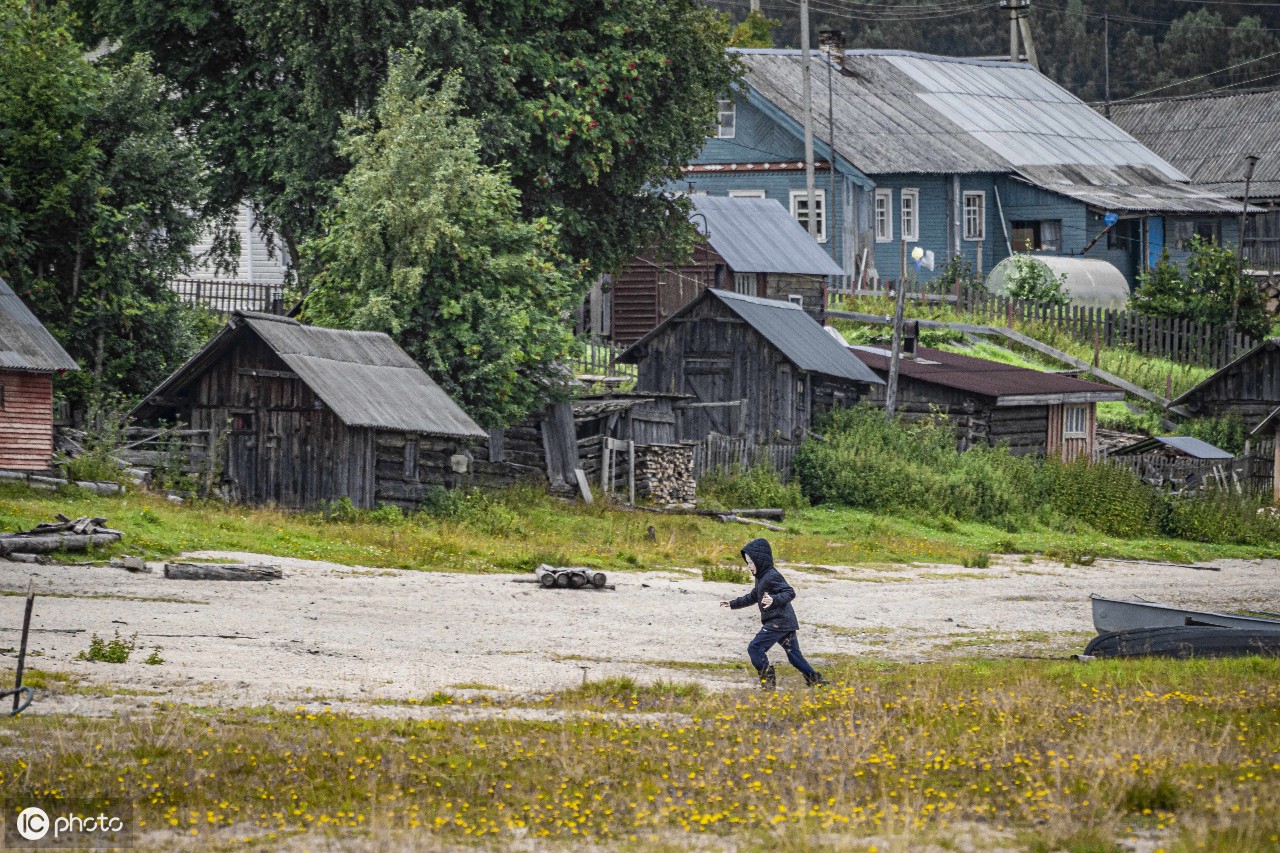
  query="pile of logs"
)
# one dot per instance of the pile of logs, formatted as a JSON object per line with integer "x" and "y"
{"x": 664, "y": 473}
{"x": 63, "y": 535}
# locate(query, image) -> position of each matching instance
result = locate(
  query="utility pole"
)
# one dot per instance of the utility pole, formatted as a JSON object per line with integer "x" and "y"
{"x": 1106, "y": 63}
{"x": 755, "y": 5}
{"x": 1020, "y": 24}
{"x": 807, "y": 88}
{"x": 1250, "y": 160}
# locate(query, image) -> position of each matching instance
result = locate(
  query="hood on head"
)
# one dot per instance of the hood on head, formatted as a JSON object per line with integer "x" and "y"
{"x": 760, "y": 553}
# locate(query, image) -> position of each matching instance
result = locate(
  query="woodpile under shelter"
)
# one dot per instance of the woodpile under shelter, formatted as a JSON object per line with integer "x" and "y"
{"x": 1249, "y": 386}
{"x": 29, "y": 359}
{"x": 748, "y": 367}
{"x": 1173, "y": 447}
{"x": 990, "y": 403}
{"x": 300, "y": 415}
{"x": 750, "y": 246}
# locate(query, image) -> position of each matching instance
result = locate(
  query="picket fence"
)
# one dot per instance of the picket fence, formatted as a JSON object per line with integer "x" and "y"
{"x": 725, "y": 454}
{"x": 1174, "y": 338}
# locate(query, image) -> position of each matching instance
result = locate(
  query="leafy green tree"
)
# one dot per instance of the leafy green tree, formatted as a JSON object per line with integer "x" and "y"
{"x": 1030, "y": 279}
{"x": 592, "y": 106}
{"x": 755, "y": 31}
{"x": 97, "y": 204}
{"x": 427, "y": 244}
{"x": 1206, "y": 291}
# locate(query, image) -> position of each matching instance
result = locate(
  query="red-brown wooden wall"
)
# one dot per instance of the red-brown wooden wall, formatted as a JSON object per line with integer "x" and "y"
{"x": 26, "y": 420}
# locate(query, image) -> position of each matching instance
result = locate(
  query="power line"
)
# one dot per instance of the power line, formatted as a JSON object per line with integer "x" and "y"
{"x": 908, "y": 13}
{"x": 1130, "y": 19}
{"x": 1197, "y": 77}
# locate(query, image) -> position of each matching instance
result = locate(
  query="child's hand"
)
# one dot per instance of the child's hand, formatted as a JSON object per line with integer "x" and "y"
{"x": 766, "y": 600}
{"x": 724, "y": 604}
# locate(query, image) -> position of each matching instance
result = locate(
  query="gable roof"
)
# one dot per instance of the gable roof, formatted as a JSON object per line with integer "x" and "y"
{"x": 1216, "y": 376}
{"x": 1208, "y": 136}
{"x": 1008, "y": 384}
{"x": 1193, "y": 447}
{"x": 364, "y": 377}
{"x": 25, "y": 344}
{"x": 786, "y": 326}
{"x": 898, "y": 112}
{"x": 758, "y": 235}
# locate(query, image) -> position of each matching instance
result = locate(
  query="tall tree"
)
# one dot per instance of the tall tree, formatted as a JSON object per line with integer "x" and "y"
{"x": 593, "y": 106}
{"x": 427, "y": 244}
{"x": 98, "y": 201}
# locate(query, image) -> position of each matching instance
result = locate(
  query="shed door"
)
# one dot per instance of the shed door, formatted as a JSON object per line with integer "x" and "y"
{"x": 242, "y": 457}
{"x": 708, "y": 380}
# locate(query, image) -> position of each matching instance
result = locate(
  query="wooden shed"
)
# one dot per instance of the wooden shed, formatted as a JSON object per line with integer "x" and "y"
{"x": 751, "y": 246}
{"x": 749, "y": 366}
{"x": 1248, "y": 386}
{"x": 29, "y": 358}
{"x": 990, "y": 403}
{"x": 305, "y": 415}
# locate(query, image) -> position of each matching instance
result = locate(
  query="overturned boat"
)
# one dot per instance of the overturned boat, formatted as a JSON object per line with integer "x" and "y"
{"x": 1185, "y": 642}
{"x": 1111, "y": 615}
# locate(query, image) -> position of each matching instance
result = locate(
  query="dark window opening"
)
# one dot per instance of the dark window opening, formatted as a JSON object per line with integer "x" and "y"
{"x": 1043, "y": 235}
{"x": 1124, "y": 235}
{"x": 242, "y": 422}
{"x": 1185, "y": 230}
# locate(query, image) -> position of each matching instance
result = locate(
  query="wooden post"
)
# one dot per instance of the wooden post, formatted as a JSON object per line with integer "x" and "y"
{"x": 1275, "y": 472}
{"x": 631, "y": 470}
{"x": 22, "y": 646}
{"x": 1097, "y": 345}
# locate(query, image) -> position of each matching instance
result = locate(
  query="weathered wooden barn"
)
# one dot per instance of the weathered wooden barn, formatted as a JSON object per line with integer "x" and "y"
{"x": 304, "y": 415}
{"x": 1248, "y": 386}
{"x": 29, "y": 358}
{"x": 990, "y": 403}
{"x": 751, "y": 246}
{"x": 750, "y": 366}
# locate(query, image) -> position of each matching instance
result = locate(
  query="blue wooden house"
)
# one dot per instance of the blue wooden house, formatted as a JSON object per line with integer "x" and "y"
{"x": 968, "y": 157}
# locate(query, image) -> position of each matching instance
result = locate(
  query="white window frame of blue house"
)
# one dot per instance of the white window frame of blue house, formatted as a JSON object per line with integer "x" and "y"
{"x": 910, "y": 223}
{"x": 975, "y": 215}
{"x": 746, "y": 194}
{"x": 727, "y": 120}
{"x": 801, "y": 197}
{"x": 884, "y": 216}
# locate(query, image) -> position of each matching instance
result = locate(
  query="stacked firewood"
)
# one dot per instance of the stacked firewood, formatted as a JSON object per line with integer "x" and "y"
{"x": 664, "y": 473}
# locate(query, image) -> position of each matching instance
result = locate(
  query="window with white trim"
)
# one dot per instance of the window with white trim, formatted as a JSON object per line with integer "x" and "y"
{"x": 726, "y": 127}
{"x": 800, "y": 211}
{"x": 884, "y": 216}
{"x": 975, "y": 216}
{"x": 1075, "y": 422}
{"x": 909, "y": 204}
{"x": 746, "y": 194}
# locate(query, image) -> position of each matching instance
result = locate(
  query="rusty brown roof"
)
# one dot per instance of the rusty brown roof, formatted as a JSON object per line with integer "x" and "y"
{"x": 1006, "y": 384}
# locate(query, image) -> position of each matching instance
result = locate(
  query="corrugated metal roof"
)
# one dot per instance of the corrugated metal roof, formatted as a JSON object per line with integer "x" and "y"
{"x": 364, "y": 377}
{"x": 1193, "y": 447}
{"x": 900, "y": 112}
{"x": 1128, "y": 189}
{"x": 1208, "y": 136}
{"x": 984, "y": 377}
{"x": 758, "y": 235}
{"x": 797, "y": 336}
{"x": 25, "y": 344}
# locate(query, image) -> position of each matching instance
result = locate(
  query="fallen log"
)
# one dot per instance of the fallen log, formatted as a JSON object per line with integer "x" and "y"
{"x": 221, "y": 572}
{"x": 48, "y": 542}
{"x": 772, "y": 514}
{"x": 741, "y": 520}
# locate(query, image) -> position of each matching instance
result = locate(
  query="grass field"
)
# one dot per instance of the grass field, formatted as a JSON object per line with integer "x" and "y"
{"x": 1025, "y": 755}
{"x": 514, "y": 531}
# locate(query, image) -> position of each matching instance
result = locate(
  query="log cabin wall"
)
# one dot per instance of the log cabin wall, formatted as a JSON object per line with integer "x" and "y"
{"x": 282, "y": 444}
{"x": 26, "y": 420}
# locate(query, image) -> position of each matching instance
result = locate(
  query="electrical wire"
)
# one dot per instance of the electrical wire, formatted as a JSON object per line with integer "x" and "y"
{"x": 904, "y": 13}
{"x": 1197, "y": 77}
{"x": 1131, "y": 19}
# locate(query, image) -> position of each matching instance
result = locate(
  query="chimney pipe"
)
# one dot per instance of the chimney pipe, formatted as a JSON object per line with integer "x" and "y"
{"x": 831, "y": 43}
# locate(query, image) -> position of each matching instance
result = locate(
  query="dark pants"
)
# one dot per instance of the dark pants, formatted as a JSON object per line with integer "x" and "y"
{"x": 758, "y": 650}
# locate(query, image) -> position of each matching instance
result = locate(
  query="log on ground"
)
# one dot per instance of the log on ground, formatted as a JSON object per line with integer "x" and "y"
{"x": 221, "y": 572}
{"x": 50, "y": 542}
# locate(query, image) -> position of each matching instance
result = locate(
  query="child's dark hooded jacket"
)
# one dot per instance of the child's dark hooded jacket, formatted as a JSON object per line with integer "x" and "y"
{"x": 779, "y": 616}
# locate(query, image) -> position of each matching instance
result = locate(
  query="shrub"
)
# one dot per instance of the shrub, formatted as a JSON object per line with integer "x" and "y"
{"x": 1220, "y": 515}
{"x": 1030, "y": 279}
{"x": 759, "y": 486}
{"x": 1108, "y": 498}
{"x": 1227, "y": 431}
{"x": 115, "y": 650}
{"x": 726, "y": 574}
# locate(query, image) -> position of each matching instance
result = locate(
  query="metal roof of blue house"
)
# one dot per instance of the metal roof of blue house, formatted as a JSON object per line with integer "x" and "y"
{"x": 797, "y": 336}
{"x": 25, "y": 344}
{"x": 897, "y": 112}
{"x": 758, "y": 235}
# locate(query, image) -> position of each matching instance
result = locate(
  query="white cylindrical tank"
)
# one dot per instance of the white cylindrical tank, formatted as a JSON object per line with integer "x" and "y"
{"x": 1090, "y": 283}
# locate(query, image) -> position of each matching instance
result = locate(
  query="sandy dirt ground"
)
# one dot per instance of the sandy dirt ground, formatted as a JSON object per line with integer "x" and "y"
{"x": 352, "y": 636}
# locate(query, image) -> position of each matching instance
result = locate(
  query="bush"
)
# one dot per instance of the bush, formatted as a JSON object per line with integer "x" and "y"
{"x": 115, "y": 650}
{"x": 1220, "y": 515}
{"x": 1030, "y": 279}
{"x": 759, "y": 486}
{"x": 1226, "y": 432}
{"x": 726, "y": 574}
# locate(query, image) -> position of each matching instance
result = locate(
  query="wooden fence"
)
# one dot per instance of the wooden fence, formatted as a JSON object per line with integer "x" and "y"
{"x": 599, "y": 363}
{"x": 1174, "y": 338}
{"x": 225, "y": 297}
{"x": 1250, "y": 472}
{"x": 724, "y": 454}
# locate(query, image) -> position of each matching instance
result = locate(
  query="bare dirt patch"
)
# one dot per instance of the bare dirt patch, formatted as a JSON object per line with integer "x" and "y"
{"x": 358, "y": 638}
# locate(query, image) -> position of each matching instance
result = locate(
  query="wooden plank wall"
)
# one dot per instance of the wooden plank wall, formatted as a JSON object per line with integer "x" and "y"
{"x": 26, "y": 420}
{"x": 1251, "y": 388}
